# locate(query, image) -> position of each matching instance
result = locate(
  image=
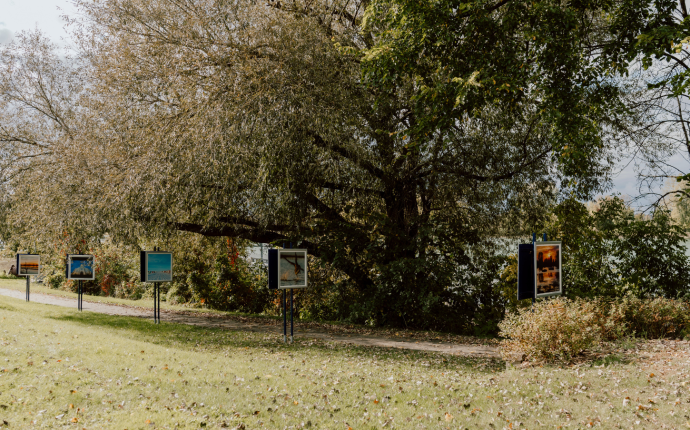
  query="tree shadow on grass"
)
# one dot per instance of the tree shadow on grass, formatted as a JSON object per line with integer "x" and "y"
{"x": 210, "y": 339}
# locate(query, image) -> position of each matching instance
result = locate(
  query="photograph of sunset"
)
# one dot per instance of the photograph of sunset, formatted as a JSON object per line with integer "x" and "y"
{"x": 28, "y": 265}
{"x": 548, "y": 268}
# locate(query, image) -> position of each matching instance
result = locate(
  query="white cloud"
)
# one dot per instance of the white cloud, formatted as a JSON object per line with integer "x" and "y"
{"x": 6, "y": 36}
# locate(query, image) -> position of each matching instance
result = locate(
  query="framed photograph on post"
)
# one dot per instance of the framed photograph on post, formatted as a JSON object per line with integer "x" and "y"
{"x": 28, "y": 264}
{"x": 547, "y": 269}
{"x": 156, "y": 266}
{"x": 292, "y": 268}
{"x": 81, "y": 267}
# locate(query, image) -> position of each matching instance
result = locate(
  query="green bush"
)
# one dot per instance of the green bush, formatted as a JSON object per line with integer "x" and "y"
{"x": 612, "y": 252}
{"x": 53, "y": 277}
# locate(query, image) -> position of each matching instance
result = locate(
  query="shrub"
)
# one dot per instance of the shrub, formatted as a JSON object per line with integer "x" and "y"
{"x": 53, "y": 277}
{"x": 561, "y": 328}
{"x": 132, "y": 289}
{"x": 613, "y": 252}
{"x": 653, "y": 319}
{"x": 551, "y": 330}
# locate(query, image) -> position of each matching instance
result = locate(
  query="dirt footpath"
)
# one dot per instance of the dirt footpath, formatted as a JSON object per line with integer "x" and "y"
{"x": 268, "y": 326}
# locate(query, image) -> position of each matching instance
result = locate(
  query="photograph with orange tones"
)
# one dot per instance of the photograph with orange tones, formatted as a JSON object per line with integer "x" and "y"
{"x": 547, "y": 268}
{"x": 28, "y": 264}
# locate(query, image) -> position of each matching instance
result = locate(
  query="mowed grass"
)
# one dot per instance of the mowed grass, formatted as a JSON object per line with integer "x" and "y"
{"x": 20, "y": 285}
{"x": 61, "y": 368}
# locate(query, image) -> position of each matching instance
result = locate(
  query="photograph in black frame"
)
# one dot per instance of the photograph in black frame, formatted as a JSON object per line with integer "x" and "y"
{"x": 81, "y": 267}
{"x": 28, "y": 264}
{"x": 292, "y": 268}
{"x": 156, "y": 266}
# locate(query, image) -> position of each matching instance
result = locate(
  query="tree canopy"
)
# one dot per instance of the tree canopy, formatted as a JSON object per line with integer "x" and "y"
{"x": 388, "y": 138}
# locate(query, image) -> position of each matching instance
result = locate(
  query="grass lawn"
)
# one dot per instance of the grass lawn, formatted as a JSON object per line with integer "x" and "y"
{"x": 61, "y": 368}
{"x": 20, "y": 285}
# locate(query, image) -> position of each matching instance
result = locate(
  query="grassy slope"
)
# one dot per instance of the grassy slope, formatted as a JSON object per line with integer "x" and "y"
{"x": 20, "y": 285}
{"x": 59, "y": 365}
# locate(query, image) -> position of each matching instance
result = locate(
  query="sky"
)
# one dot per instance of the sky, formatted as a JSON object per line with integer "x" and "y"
{"x": 22, "y": 15}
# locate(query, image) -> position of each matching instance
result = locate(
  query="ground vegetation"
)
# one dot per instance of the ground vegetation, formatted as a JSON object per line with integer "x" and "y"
{"x": 59, "y": 367}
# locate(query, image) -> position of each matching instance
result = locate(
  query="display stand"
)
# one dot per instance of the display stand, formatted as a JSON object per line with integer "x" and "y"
{"x": 292, "y": 316}
{"x": 80, "y": 295}
{"x": 156, "y": 298}
{"x": 294, "y": 266}
{"x": 80, "y": 268}
{"x": 285, "y": 316}
{"x": 28, "y": 287}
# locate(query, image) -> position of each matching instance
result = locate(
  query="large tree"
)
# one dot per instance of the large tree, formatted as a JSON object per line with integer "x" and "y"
{"x": 386, "y": 146}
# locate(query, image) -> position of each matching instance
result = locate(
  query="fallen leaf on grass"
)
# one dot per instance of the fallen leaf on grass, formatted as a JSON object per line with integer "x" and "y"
{"x": 449, "y": 417}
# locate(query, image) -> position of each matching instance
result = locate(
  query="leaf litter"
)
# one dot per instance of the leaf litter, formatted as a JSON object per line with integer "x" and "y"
{"x": 214, "y": 378}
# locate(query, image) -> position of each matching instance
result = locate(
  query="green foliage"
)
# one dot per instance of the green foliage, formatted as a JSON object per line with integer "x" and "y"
{"x": 213, "y": 272}
{"x": 389, "y": 148}
{"x": 612, "y": 252}
{"x": 117, "y": 272}
{"x": 53, "y": 277}
{"x": 330, "y": 294}
{"x": 652, "y": 30}
{"x": 526, "y": 60}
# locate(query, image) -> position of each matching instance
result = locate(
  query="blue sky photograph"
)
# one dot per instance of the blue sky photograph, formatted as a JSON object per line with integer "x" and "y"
{"x": 159, "y": 262}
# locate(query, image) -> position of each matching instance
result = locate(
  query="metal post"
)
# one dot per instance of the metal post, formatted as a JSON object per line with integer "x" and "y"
{"x": 534, "y": 240}
{"x": 79, "y": 295}
{"x": 284, "y": 316}
{"x": 28, "y": 283}
{"x": 292, "y": 317}
{"x": 155, "y": 302}
{"x": 155, "y": 296}
{"x": 159, "y": 303}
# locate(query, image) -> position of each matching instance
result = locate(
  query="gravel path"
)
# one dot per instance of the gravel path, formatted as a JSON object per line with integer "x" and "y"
{"x": 268, "y": 327}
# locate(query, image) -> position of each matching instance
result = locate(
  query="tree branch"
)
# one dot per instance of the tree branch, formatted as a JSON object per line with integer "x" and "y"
{"x": 346, "y": 153}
